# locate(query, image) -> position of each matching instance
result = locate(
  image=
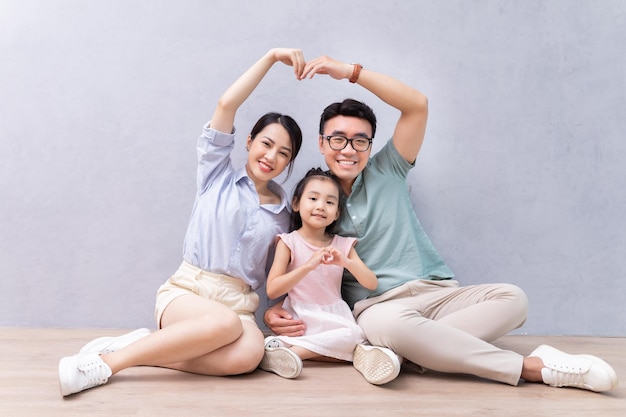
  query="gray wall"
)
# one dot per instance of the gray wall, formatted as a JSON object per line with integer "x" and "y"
{"x": 520, "y": 178}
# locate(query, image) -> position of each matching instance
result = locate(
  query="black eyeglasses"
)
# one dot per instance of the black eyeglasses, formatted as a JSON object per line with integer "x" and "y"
{"x": 338, "y": 142}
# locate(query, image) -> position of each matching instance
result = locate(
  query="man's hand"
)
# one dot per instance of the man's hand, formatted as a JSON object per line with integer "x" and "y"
{"x": 281, "y": 323}
{"x": 328, "y": 66}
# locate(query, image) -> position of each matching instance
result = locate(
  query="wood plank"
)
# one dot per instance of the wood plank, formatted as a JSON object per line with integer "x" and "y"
{"x": 29, "y": 386}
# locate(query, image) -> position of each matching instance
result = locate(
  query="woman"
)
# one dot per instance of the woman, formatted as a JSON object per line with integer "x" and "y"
{"x": 205, "y": 311}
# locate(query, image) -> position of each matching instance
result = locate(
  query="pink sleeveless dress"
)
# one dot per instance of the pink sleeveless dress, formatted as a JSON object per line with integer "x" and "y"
{"x": 330, "y": 326}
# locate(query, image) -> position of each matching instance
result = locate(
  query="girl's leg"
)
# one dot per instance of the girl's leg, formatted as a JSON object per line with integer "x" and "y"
{"x": 197, "y": 335}
{"x": 306, "y": 354}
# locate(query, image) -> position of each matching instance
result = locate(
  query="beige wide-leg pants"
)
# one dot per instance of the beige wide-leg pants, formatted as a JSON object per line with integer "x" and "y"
{"x": 445, "y": 327}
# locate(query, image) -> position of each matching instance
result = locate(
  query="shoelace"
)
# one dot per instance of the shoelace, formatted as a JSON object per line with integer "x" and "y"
{"x": 564, "y": 376}
{"x": 94, "y": 374}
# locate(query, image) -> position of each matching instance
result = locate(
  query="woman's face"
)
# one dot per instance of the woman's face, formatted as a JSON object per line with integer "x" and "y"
{"x": 269, "y": 153}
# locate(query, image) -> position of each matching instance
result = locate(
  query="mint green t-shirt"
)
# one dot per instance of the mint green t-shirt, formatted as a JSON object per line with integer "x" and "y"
{"x": 391, "y": 240}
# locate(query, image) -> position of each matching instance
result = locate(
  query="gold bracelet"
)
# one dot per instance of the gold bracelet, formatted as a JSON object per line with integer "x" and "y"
{"x": 355, "y": 73}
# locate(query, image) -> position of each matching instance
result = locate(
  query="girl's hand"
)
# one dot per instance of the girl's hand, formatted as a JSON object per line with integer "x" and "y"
{"x": 317, "y": 258}
{"x": 292, "y": 57}
{"x": 328, "y": 66}
{"x": 334, "y": 257}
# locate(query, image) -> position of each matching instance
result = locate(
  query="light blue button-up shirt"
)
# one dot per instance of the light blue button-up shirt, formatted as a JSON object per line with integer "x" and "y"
{"x": 229, "y": 231}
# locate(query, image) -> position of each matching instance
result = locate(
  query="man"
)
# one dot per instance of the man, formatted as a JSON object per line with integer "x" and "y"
{"x": 418, "y": 311}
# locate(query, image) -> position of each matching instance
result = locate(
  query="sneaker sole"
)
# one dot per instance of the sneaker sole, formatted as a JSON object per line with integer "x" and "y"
{"x": 101, "y": 344}
{"x": 281, "y": 361}
{"x": 377, "y": 365}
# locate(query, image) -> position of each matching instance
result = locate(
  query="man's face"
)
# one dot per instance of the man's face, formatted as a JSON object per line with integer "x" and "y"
{"x": 347, "y": 163}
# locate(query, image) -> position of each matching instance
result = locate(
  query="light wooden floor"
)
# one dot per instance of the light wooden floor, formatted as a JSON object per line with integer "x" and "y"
{"x": 29, "y": 387}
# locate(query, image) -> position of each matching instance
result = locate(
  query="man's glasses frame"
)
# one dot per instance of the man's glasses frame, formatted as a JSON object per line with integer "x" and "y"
{"x": 339, "y": 142}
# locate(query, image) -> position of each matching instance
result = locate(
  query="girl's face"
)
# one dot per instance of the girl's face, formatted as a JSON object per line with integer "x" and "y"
{"x": 319, "y": 203}
{"x": 269, "y": 153}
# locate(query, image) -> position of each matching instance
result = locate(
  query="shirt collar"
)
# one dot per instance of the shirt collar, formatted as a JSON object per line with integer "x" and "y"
{"x": 241, "y": 174}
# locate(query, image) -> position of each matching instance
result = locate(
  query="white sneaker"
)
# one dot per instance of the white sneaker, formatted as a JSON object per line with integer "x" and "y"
{"x": 110, "y": 344}
{"x": 378, "y": 365}
{"x": 80, "y": 372}
{"x": 580, "y": 371}
{"x": 280, "y": 360}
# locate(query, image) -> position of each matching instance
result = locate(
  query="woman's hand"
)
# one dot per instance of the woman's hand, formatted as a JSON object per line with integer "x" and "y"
{"x": 292, "y": 57}
{"x": 224, "y": 115}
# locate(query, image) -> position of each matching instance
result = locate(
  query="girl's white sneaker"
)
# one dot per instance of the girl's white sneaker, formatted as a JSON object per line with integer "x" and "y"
{"x": 280, "y": 360}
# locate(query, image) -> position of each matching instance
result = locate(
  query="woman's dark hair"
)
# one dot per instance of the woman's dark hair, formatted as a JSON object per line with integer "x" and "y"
{"x": 290, "y": 125}
{"x": 315, "y": 173}
{"x": 348, "y": 107}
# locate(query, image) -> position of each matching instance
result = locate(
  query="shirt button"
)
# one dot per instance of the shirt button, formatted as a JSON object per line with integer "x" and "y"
{"x": 353, "y": 217}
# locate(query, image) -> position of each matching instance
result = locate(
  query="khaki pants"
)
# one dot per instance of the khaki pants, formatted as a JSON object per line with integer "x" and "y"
{"x": 444, "y": 327}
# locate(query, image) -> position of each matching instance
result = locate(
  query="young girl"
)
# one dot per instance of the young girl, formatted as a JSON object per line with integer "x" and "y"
{"x": 308, "y": 267}
{"x": 205, "y": 311}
